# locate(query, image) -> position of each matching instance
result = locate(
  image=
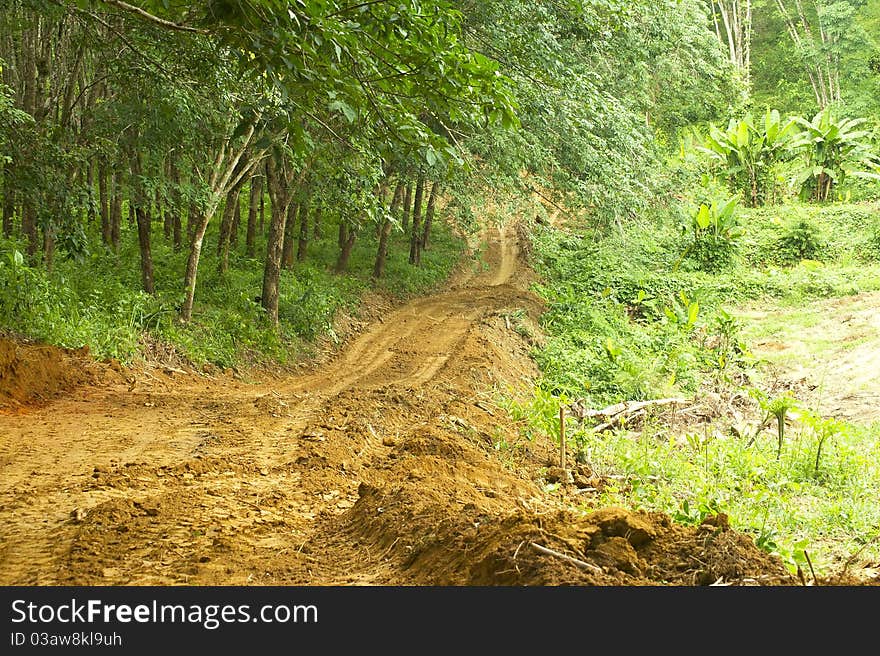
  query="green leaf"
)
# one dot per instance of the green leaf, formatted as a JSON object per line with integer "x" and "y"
{"x": 345, "y": 108}
{"x": 703, "y": 217}
{"x": 693, "y": 313}
{"x": 727, "y": 210}
{"x": 742, "y": 134}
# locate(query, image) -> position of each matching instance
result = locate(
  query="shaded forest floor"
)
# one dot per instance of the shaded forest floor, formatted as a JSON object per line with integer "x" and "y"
{"x": 378, "y": 465}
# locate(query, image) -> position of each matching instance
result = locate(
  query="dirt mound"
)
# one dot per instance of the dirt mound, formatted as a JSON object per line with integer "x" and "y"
{"x": 611, "y": 546}
{"x": 31, "y": 373}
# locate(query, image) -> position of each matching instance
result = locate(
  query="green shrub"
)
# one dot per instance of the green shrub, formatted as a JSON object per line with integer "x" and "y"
{"x": 872, "y": 246}
{"x": 800, "y": 240}
{"x": 715, "y": 235}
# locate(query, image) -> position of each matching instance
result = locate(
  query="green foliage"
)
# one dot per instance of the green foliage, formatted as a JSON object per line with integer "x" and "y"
{"x": 826, "y": 152}
{"x": 601, "y": 87}
{"x": 872, "y": 246}
{"x": 777, "y": 408}
{"x": 838, "y": 235}
{"x": 832, "y": 149}
{"x": 799, "y": 240}
{"x": 624, "y": 324}
{"x": 618, "y": 331}
{"x": 729, "y": 349}
{"x": 715, "y": 234}
{"x": 822, "y": 429}
{"x": 749, "y": 154}
{"x": 99, "y": 302}
{"x": 11, "y": 119}
{"x": 783, "y": 503}
{"x": 695, "y": 516}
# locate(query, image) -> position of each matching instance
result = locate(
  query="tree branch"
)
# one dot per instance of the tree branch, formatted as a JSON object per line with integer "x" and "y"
{"x": 344, "y": 10}
{"x": 170, "y": 25}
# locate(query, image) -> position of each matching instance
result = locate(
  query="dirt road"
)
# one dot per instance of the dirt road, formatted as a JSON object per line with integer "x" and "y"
{"x": 388, "y": 464}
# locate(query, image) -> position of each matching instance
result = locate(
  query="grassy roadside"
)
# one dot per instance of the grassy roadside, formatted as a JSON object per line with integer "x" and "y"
{"x": 98, "y": 300}
{"x": 625, "y": 323}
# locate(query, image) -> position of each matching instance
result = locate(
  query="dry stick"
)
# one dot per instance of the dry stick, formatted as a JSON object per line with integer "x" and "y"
{"x": 515, "y": 553}
{"x": 562, "y": 436}
{"x": 574, "y": 561}
{"x": 629, "y": 407}
{"x": 810, "y": 563}
{"x": 388, "y": 550}
{"x": 800, "y": 574}
{"x": 627, "y": 410}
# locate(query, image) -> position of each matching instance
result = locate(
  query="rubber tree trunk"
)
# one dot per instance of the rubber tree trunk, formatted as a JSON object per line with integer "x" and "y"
{"x": 199, "y": 221}
{"x": 302, "y": 244}
{"x": 236, "y": 222}
{"x": 104, "y": 202}
{"x": 175, "y": 209}
{"x": 193, "y": 216}
{"x": 49, "y": 248}
{"x": 254, "y": 200}
{"x": 407, "y": 207}
{"x": 385, "y": 233}
{"x": 163, "y": 215}
{"x": 29, "y": 229}
{"x": 343, "y": 233}
{"x": 429, "y": 214}
{"x": 415, "y": 242}
{"x": 143, "y": 227}
{"x": 231, "y": 167}
{"x": 90, "y": 183}
{"x": 116, "y": 211}
{"x": 263, "y": 209}
{"x": 199, "y": 224}
{"x": 225, "y": 222}
{"x": 318, "y": 230}
{"x": 140, "y": 204}
{"x": 226, "y": 229}
{"x": 287, "y": 250}
{"x": 276, "y": 183}
{"x": 345, "y": 250}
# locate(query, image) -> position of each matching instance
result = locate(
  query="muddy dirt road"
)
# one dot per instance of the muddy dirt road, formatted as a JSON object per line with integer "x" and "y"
{"x": 390, "y": 463}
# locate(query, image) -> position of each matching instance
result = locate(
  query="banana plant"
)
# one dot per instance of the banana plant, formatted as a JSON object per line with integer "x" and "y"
{"x": 832, "y": 150}
{"x": 718, "y": 221}
{"x": 749, "y": 153}
{"x": 715, "y": 231}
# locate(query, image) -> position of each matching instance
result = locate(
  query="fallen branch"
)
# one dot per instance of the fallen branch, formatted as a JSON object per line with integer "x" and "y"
{"x": 574, "y": 561}
{"x": 617, "y": 413}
